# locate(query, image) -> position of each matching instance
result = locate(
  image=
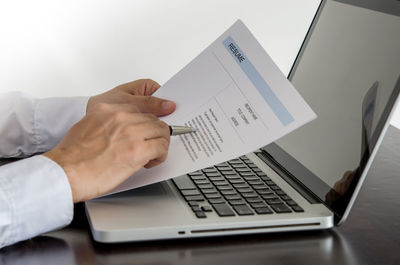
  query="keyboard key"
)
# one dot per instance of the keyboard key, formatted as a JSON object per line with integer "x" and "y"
{"x": 221, "y": 183}
{"x": 206, "y": 208}
{"x": 184, "y": 183}
{"x": 197, "y": 177}
{"x": 213, "y": 196}
{"x": 264, "y": 191}
{"x": 247, "y": 161}
{"x": 228, "y": 177}
{"x": 285, "y": 197}
{"x": 257, "y": 170}
{"x": 193, "y": 203}
{"x": 233, "y": 197}
{"x": 274, "y": 201}
{"x": 223, "y": 209}
{"x": 269, "y": 196}
{"x": 281, "y": 208}
{"x": 243, "y": 210}
{"x": 205, "y": 186}
{"x": 210, "y": 170}
{"x": 201, "y": 181}
{"x": 236, "y": 202}
{"x": 253, "y": 177}
{"x": 225, "y": 187}
{"x": 265, "y": 210}
{"x": 250, "y": 195}
{"x": 270, "y": 182}
{"x": 291, "y": 203}
{"x": 254, "y": 200}
{"x": 214, "y": 174}
{"x": 221, "y": 168}
{"x": 218, "y": 178}
{"x": 208, "y": 191}
{"x": 201, "y": 215}
{"x": 237, "y": 181}
{"x": 280, "y": 192}
{"x": 275, "y": 188}
{"x": 215, "y": 201}
{"x": 240, "y": 185}
{"x": 244, "y": 190}
{"x": 196, "y": 208}
{"x": 228, "y": 172}
{"x": 199, "y": 198}
{"x": 242, "y": 170}
{"x": 265, "y": 178}
{"x": 260, "y": 187}
{"x": 258, "y": 205}
{"x": 229, "y": 192}
{"x": 190, "y": 192}
{"x": 248, "y": 174}
{"x": 297, "y": 209}
{"x": 224, "y": 164}
{"x": 235, "y": 161}
{"x": 255, "y": 182}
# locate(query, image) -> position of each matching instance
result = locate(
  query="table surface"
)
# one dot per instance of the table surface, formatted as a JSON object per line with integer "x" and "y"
{"x": 371, "y": 235}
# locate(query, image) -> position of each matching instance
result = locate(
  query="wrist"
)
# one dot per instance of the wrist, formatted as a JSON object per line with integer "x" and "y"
{"x": 61, "y": 158}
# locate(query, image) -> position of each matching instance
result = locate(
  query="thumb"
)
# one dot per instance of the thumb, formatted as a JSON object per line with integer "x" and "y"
{"x": 154, "y": 105}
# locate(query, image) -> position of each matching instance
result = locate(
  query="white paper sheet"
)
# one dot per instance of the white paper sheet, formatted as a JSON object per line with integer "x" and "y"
{"x": 238, "y": 100}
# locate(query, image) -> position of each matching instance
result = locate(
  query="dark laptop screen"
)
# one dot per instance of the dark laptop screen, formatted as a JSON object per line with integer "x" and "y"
{"x": 348, "y": 71}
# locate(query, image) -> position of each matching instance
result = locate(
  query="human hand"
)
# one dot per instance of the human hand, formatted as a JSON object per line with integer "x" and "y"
{"x": 108, "y": 145}
{"x": 137, "y": 93}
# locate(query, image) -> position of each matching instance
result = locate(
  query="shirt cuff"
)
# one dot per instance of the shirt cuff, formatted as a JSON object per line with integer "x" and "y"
{"x": 39, "y": 197}
{"x": 54, "y": 117}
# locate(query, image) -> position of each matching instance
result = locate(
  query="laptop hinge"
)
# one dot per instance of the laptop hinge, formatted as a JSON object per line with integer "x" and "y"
{"x": 288, "y": 177}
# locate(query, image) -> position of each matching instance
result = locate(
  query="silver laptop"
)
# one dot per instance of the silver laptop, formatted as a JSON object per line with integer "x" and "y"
{"x": 348, "y": 72}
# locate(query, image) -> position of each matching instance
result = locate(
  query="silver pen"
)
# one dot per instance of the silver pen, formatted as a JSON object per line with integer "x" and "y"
{"x": 177, "y": 130}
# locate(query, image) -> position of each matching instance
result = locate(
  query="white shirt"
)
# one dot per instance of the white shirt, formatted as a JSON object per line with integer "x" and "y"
{"x": 35, "y": 195}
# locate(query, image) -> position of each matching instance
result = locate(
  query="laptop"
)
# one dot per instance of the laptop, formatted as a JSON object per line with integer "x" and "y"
{"x": 347, "y": 70}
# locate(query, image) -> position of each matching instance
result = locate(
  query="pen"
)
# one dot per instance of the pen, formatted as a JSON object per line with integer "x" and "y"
{"x": 177, "y": 130}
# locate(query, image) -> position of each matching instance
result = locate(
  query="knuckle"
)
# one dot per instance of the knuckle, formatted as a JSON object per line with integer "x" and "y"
{"x": 118, "y": 116}
{"x": 163, "y": 125}
{"x": 101, "y": 107}
{"x": 164, "y": 144}
{"x": 148, "y": 80}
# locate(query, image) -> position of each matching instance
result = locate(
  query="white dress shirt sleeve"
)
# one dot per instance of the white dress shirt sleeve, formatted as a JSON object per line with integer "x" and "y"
{"x": 29, "y": 126}
{"x": 35, "y": 195}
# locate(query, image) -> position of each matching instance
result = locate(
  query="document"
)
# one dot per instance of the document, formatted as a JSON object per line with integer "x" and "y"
{"x": 236, "y": 98}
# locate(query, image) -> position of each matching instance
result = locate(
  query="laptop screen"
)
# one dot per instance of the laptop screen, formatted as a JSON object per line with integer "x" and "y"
{"x": 349, "y": 73}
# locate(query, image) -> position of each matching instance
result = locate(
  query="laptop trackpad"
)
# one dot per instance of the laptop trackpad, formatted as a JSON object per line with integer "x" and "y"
{"x": 153, "y": 190}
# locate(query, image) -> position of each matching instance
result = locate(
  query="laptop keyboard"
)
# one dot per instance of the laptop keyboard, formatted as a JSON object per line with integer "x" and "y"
{"x": 234, "y": 188}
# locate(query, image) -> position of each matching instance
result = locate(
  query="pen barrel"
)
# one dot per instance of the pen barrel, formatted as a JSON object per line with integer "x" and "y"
{"x": 177, "y": 130}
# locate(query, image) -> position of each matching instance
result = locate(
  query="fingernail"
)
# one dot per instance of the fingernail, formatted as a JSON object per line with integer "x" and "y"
{"x": 167, "y": 105}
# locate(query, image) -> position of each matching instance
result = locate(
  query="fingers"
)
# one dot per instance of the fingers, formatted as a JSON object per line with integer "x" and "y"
{"x": 141, "y": 87}
{"x": 151, "y": 129}
{"x": 157, "y": 151}
{"x": 154, "y": 105}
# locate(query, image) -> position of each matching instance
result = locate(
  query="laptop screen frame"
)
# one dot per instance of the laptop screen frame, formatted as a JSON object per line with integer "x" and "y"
{"x": 306, "y": 178}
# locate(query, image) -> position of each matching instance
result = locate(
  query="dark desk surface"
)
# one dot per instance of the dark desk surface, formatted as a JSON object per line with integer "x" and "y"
{"x": 371, "y": 235}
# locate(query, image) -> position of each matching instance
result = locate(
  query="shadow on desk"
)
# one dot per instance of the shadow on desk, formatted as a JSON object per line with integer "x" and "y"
{"x": 76, "y": 246}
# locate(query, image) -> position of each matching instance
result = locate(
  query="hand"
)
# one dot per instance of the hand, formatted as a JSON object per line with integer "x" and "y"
{"x": 108, "y": 145}
{"x": 137, "y": 93}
